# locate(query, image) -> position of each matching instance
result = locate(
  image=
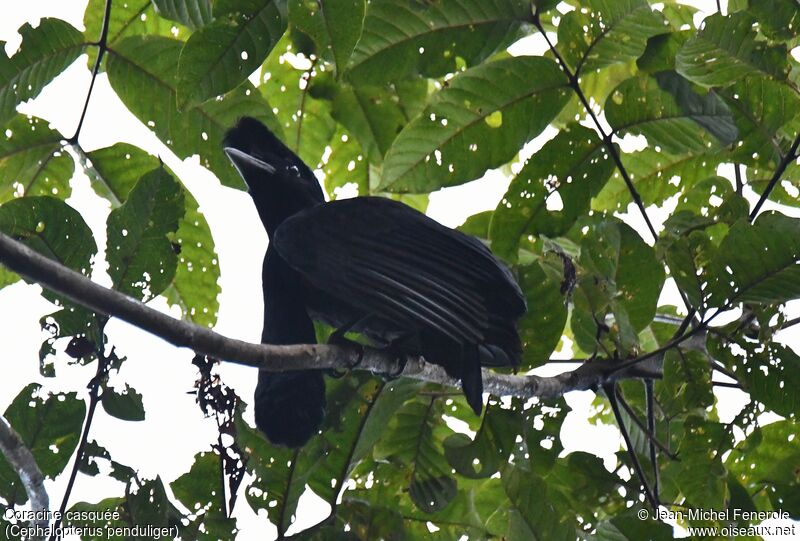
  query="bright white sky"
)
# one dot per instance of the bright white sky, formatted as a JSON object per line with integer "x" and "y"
{"x": 161, "y": 372}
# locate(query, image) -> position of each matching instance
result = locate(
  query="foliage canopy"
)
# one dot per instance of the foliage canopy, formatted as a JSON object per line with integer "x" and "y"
{"x": 401, "y": 98}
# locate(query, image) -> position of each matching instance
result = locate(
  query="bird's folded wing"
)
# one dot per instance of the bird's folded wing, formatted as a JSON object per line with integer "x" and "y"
{"x": 389, "y": 260}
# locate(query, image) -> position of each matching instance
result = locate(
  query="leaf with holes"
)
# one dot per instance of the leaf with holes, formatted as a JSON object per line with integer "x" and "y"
{"x": 131, "y": 18}
{"x": 52, "y": 228}
{"x": 199, "y": 490}
{"x": 766, "y": 463}
{"x": 762, "y": 109}
{"x": 605, "y": 32}
{"x": 757, "y": 263}
{"x": 656, "y": 175}
{"x": 668, "y": 112}
{"x": 45, "y": 52}
{"x": 221, "y": 55}
{"x": 779, "y": 19}
{"x": 114, "y": 172}
{"x": 375, "y": 115}
{"x": 141, "y": 257}
{"x": 304, "y": 117}
{"x": 431, "y": 38}
{"x": 413, "y": 438}
{"x": 125, "y": 404}
{"x": 334, "y": 26}
{"x": 33, "y": 160}
{"x": 50, "y": 426}
{"x": 479, "y": 121}
{"x": 141, "y": 70}
{"x": 567, "y": 172}
{"x": 726, "y": 50}
{"x": 484, "y": 455}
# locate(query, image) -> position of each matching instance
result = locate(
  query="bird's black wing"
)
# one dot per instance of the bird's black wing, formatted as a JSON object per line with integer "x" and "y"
{"x": 390, "y": 261}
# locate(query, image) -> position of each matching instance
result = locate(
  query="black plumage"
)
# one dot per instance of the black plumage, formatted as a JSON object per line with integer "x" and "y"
{"x": 371, "y": 265}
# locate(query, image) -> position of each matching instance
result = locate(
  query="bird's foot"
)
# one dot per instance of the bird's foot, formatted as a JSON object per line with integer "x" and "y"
{"x": 402, "y": 360}
{"x": 338, "y": 339}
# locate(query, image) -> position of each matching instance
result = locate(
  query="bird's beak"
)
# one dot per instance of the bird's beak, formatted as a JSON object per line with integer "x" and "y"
{"x": 246, "y": 164}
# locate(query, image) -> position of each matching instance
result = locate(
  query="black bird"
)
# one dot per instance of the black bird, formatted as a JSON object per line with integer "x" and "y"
{"x": 370, "y": 265}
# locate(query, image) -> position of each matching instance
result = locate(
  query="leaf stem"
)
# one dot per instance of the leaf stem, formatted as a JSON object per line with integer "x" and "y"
{"x": 791, "y": 155}
{"x": 94, "y": 398}
{"x": 102, "y": 47}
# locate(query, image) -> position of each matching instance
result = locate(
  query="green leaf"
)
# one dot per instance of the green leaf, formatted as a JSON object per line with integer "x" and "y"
{"x": 630, "y": 527}
{"x": 479, "y": 121}
{"x": 567, "y": 172}
{"x": 130, "y": 18}
{"x": 33, "y": 161}
{"x": 413, "y": 437}
{"x": 757, "y": 263}
{"x": 428, "y": 38}
{"x": 375, "y": 115}
{"x": 220, "y": 56}
{"x": 125, "y": 404}
{"x": 334, "y": 25}
{"x": 699, "y": 475}
{"x": 606, "y": 32}
{"x": 532, "y": 516}
{"x": 192, "y": 13}
{"x": 52, "y": 228}
{"x": 726, "y": 49}
{"x": 778, "y": 19}
{"x": 346, "y": 165}
{"x": 767, "y": 462}
{"x": 141, "y": 256}
{"x": 304, "y": 116}
{"x": 656, "y": 175}
{"x": 613, "y": 252}
{"x": 770, "y": 375}
{"x": 668, "y": 113}
{"x": 686, "y": 385}
{"x": 761, "y": 108}
{"x": 543, "y": 324}
{"x": 114, "y": 172}
{"x": 200, "y": 491}
{"x": 486, "y": 454}
{"x": 45, "y": 52}
{"x": 661, "y": 50}
{"x": 141, "y": 70}
{"x": 50, "y": 426}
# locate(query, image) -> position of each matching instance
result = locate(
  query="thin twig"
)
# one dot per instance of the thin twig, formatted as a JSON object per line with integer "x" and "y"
{"x": 787, "y": 159}
{"x": 645, "y": 430}
{"x": 94, "y": 399}
{"x": 607, "y": 140}
{"x": 102, "y": 47}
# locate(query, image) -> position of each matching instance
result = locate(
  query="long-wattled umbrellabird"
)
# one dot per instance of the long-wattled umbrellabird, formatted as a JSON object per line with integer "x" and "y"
{"x": 370, "y": 265}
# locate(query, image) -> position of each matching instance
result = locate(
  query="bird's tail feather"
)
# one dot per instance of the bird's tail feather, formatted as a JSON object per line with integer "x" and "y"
{"x": 290, "y": 406}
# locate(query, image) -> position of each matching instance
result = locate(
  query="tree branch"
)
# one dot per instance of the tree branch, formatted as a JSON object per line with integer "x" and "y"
{"x": 73, "y": 285}
{"x": 22, "y": 461}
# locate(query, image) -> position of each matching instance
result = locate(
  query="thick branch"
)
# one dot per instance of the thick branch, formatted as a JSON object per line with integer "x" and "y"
{"x": 22, "y": 461}
{"x": 73, "y": 285}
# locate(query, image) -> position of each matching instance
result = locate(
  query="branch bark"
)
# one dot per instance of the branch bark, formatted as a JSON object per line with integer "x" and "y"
{"x": 22, "y": 461}
{"x": 73, "y": 285}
